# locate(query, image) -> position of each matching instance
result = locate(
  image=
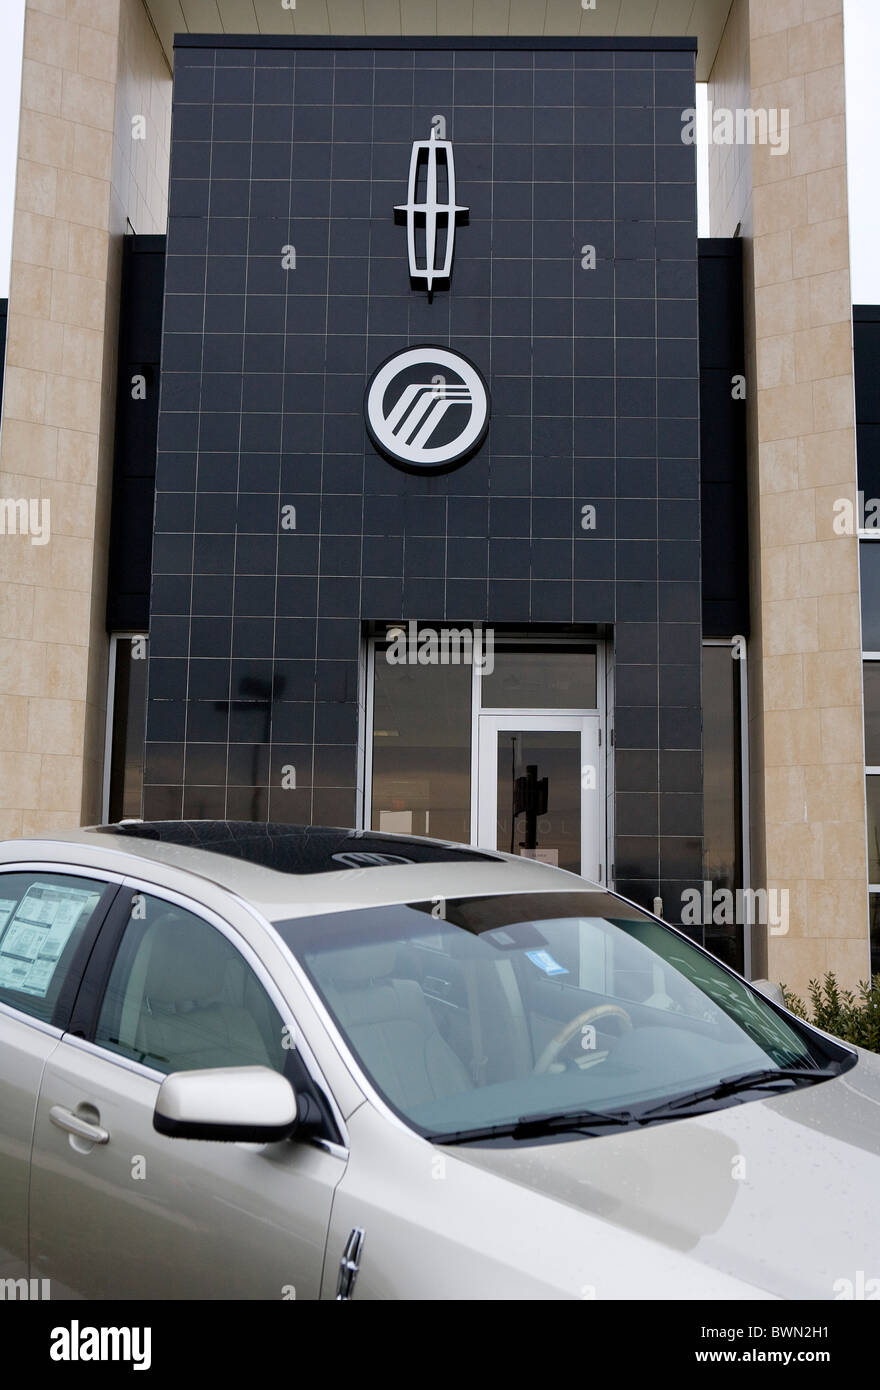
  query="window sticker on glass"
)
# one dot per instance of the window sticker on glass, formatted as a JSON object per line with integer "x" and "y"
{"x": 545, "y": 962}
{"x": 34, "y": 938}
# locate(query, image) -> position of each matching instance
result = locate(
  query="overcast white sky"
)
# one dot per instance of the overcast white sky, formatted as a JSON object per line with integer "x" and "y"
{"x": 862, "y": 50}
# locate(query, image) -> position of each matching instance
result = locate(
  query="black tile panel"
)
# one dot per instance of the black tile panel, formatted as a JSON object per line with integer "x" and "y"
{"x": 594, "y": 382}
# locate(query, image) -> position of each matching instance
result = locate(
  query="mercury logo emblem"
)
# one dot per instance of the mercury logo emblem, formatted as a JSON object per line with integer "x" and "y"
{"x": 434, "y": 219}
{"x": 427, "y": 408}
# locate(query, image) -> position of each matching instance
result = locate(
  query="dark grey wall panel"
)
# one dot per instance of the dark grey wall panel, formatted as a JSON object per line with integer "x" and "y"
{"x": 594, "y": 378}
{"x": 866, "y": 348}
{"x": 723, "y": 442}
{"x": 137, "y": 417}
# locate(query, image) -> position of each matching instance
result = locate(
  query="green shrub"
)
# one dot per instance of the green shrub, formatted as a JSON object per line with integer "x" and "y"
{"x": 838, "y": 1011}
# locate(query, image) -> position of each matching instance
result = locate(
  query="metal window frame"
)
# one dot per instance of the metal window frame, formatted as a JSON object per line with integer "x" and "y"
{"x": 744, "y": 804}
{"x": 109, "y": 712}
{"x": 863, "y": 537}
{"x": 365, "y": 800}
{"x": 870, "y": 771}
{"x": 542, "y": 721}
{"x": 365, "y": 725}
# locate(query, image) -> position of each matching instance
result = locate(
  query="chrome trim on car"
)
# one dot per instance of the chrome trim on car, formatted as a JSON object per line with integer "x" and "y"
{"x": 53, "y": 866}
{"x": 336, "y": 1150}
{"x": 128, "y": 1063}
{"x": 19, "y": 1015}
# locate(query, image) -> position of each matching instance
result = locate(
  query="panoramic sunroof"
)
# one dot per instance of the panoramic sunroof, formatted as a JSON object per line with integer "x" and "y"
{"x": 297, "y": 849}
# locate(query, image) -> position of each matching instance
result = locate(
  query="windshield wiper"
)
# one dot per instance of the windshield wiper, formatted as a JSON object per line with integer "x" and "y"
{"x": 732, "y": 1085}
{"x": 535, "y": 1126}
{"x": 589, "y": 1121}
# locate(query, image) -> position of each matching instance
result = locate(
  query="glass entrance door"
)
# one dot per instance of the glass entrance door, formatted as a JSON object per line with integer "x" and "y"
{"x": 540, "y": 789}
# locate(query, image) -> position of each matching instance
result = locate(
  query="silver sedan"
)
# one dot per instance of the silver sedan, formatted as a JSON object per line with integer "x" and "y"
{"x": 276, "y": 1062}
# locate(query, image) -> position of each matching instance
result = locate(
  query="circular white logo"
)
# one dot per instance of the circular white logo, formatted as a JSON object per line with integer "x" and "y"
{"x": 427, "y": 408}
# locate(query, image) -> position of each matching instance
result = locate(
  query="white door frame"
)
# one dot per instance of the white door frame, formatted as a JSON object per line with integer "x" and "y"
{"x": 592, "y": 782}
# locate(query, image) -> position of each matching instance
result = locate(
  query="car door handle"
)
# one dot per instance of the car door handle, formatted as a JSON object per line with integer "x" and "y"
{"x": 73, "y": 1124}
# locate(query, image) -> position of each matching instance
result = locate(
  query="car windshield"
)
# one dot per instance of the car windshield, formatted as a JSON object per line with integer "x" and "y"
{"x": 471, "y": 1013}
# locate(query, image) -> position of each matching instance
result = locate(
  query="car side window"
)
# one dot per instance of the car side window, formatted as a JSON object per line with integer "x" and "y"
{"x": 181, "y": 997}
{"x": 43, "y": 918}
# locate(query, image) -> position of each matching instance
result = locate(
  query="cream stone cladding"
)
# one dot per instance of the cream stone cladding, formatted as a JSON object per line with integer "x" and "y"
{"x": 806, "y": 735}
{"x": 83, "y": 180}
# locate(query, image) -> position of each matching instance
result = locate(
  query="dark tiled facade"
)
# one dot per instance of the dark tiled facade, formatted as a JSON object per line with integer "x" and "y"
{"x": 593, "y": 373}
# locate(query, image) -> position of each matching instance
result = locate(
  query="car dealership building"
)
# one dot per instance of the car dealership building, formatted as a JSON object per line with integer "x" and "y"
{"x": 411, "y": 464}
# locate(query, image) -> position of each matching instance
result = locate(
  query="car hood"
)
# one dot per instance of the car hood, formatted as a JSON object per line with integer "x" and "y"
{"x": 780, "y": 1193}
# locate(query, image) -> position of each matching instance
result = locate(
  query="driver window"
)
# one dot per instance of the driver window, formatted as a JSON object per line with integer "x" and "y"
{"x": 181, "y": 997}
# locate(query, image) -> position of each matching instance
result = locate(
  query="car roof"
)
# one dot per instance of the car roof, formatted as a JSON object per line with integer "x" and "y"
{"x": 293, "y": 870}
{"x": 297, "y": 849}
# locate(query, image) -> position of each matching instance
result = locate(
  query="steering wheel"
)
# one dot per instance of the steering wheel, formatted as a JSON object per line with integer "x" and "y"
{"x": 572, "y": 1028}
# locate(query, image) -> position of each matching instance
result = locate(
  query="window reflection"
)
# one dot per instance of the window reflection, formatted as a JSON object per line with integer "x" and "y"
{"x": 869, "y": 564}
{"x": 872, "y": 713}
{"x": 539, "y": 796}
{"x": 422, "y": 749}
{"x": 129, "y": 727}
{"x": 540, "y": 676}
{"x": 873, "y": 798}
{"x": 722, "y": 824}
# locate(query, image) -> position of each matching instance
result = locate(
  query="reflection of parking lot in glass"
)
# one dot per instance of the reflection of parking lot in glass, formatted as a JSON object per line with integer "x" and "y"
{"x": 539, "y": 796}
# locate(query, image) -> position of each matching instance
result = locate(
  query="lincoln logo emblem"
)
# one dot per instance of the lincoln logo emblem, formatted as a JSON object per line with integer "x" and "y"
{"x": 427, "y": 408}
{"x": 430, "y": 224}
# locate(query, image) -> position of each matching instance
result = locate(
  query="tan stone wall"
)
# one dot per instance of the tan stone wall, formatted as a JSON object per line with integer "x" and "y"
{"x": 808, "y": 801}
{"x": 139, "y": 202}
{"x": 731, "y": 213}
{"x": 86, "y": 64}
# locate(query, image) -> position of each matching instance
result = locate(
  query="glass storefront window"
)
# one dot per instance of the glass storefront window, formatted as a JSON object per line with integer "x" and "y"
{"x": 128, "y": 730}
{"x": 426, "y": 714}
{"x": 722, "y": 810}
{"x": 422, "y": 749}
{"x": 869, "y": 564}
{"x": 872, "y": 713}
{"x": 539, "y": 676}
{"x": 873, "y": 798}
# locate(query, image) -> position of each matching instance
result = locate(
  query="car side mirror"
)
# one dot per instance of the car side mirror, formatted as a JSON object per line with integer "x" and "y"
{"x": 251, "y": 1105}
